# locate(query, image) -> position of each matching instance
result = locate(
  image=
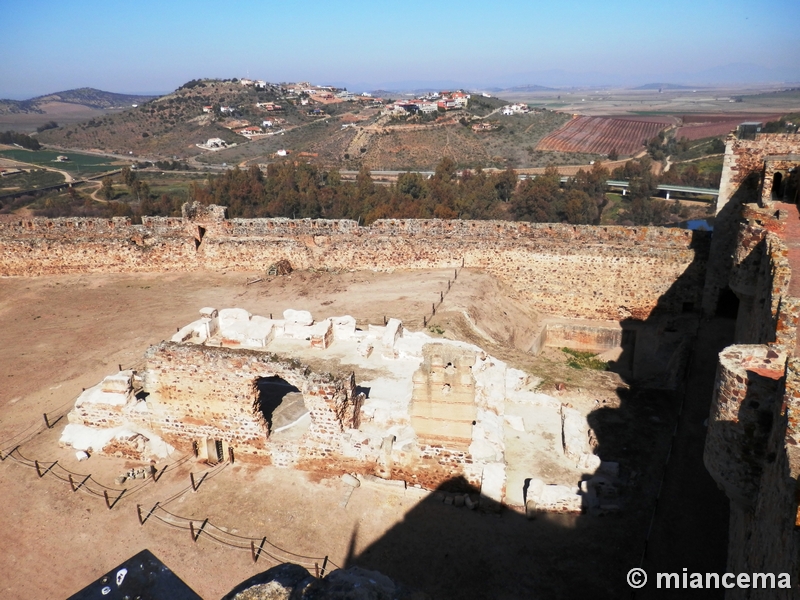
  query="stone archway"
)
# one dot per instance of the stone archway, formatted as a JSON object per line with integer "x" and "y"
{"x": 280, "y": 404}
{"x": 777, "y": 186}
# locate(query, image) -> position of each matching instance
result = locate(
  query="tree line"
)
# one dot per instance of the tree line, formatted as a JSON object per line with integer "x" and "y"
{"x": 301, "y": 190}
{"x": 20, "y": 139}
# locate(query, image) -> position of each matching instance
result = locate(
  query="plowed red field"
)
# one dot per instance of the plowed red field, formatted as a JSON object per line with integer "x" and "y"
{"x": 697, "y": 132}
{"x": 696, "y": 127}
{"x": 601, "y": 135}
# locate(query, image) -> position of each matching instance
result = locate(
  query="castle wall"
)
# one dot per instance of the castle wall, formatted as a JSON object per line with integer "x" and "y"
{"x": 748, "y": 378}
{"x": 573, "y": 271}
{"x": 752, "y": 445}
{"x": 743, "y": 173}
{"x": 765, "y": 538}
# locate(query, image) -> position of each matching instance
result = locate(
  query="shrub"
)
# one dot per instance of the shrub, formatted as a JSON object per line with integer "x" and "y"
{"x": 584, "y": 360}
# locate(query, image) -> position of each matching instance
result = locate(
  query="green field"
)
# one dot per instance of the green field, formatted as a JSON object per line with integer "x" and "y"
{"x": 36, "y": 178}
{"x": 77, "y": 163}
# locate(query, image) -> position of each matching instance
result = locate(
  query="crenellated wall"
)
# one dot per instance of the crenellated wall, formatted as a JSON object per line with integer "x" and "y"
{"x": 742, "y": 182}
{"x": 573, "y": 271}
{"x": 753, "y": 444}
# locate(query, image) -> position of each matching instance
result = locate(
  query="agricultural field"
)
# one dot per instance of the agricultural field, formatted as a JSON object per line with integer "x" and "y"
{"x": 29, "y": 180}
{"x": 601, "y": 135}
{"x": 85, "y": 164}
{"x": 697, "y": 127}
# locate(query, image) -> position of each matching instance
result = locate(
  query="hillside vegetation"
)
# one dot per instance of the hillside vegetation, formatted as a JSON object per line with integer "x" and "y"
{"x": 347, "y": 135}
{"x": 90, "y": 97}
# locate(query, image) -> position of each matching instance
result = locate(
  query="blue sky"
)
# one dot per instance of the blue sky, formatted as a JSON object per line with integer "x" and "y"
{"x": 147, "y": 46}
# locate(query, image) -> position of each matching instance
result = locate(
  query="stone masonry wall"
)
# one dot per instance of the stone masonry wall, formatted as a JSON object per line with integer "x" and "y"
{"x": 573, "y": 271}
{"x": 198, "y": 392}
{"x": 753, "y": 441}
{"x": 741, "y": 183}
{"x": 765, "y": 538}
{"x": 743, "y": 158}
{"x": 748, "y": 378}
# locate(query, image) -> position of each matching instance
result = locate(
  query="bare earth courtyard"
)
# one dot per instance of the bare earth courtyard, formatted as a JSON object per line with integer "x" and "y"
{"x": 65, "y": 333}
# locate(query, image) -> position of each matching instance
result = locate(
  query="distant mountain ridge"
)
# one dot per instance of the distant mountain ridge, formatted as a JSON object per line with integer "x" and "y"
{"x": 663, "y": 86}
{"x": 528, "y": 88}
{"x": 91, "y": 97}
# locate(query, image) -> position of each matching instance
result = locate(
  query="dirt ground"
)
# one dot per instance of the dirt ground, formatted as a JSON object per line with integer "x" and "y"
{"x": 64, "y": 333}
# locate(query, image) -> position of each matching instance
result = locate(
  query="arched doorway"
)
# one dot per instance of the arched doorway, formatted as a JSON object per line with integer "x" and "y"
{"x": 777, "y": 186}
{"x": 727, "y": 304}
{"x": 279, "y": 403}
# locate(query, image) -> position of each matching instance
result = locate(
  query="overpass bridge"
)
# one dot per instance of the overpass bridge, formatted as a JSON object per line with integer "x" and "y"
{"x": 618, "y": 184}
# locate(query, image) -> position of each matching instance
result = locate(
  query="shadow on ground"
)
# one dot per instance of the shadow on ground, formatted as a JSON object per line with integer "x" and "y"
{"x": 671, "y": 514}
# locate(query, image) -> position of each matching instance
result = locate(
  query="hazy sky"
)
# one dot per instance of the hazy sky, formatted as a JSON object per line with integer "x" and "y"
{"x": 147, "y": 46}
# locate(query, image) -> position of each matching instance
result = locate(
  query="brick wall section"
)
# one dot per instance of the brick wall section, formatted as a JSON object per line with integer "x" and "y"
{"x": 765, "y": 538}
{"x": 741, "y": 183}
{"x": 753, "y": 441}
{"x": 583, "y": 337}
{"x": 572, "y": 271}
{"x": 748, "y": 380}
{"x": 772, "y": 166}
{"x": 746, "y": 157}
{"x": 760, "y": 277}
{"x": 197, "y": 392}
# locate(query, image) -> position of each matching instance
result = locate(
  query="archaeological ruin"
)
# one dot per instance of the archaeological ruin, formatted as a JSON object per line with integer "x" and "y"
{"x": 397, "y": 404}
{"x": 327, "y": 397}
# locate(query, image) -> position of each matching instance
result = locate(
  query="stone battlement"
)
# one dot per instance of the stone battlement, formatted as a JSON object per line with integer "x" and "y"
{"x": 573, "y": 271}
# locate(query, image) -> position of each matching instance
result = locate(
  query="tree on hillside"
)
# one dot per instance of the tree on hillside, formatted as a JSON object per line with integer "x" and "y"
{"x": 107, "y": 188}
{"x": 580, "y": 208}
{"x": 538, "y": 199}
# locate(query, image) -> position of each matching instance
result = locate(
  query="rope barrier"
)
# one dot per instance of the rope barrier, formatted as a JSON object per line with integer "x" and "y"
{"x": 231, "y": 540}
{"x": 83, "y": 482}
{"x": 258, "y": 547}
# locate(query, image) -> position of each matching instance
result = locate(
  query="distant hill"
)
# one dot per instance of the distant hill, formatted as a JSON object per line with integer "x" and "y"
{"x": 345, "y": 134}
{"x": 169, "y": 125}
{"x": 529, "y": 88}
{"x": 90, "y": 97}
{"x": 663, "y": 86}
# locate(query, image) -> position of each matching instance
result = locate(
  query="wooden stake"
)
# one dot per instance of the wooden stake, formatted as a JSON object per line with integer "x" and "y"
{"x": 257, "y": 554}
{"x": 3, "y": 458}
{"x": 46, "y": 422}
{"x": 324, "y": 566}
{"x": 142, "y": 521}
{"x": 196, "y": 485}
{"x": 39, "y": 470}
{"x": 199, "y": 531}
